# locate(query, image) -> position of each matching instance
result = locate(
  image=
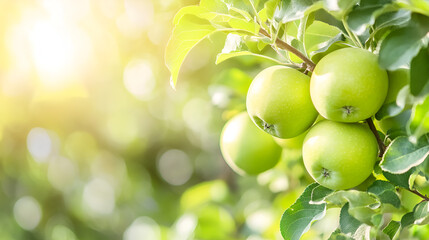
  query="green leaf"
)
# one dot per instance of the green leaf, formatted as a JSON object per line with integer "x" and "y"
{"x": 363, "y": 232}
{"x": 396, "y": 18}
{"x": 399, "y": 48}
{"x": 400, "y": 180}
{"x": 404, "y": 100}
{"x": 421, "y": 213}
{"x": 242, "y": 24}
{"x": 299, "y": 46}
{"x": 407, "y": 219}
{"x": 333, "y": 45}
{"x": 235, "y": 46}
{"x": 419, "y": 121}
{"x": 202, "y": 193}
{"x": 201, "y": 12}
{"x": 225, "y": 56}
{"x": 377, "y": 220}
{"x": 392, "y": 229}
{"x": 214, "y": 5}
{"x": 419, "y": 216}
{"x": 362, "y": 205}
{"x": 219, "y": 17}
{"x": 338, "y": 235}
{"x": 297, "y": 219}
{"x": 245, "y": 7}
{"x": 319, "y": 193}
{"x": 401, "y": 155}
{"x": 320, "y": 35}
{"x": 290, "y": 10}
{"x": 267, "y": 13}
{"x": 365, "y": 14}
{"x": 419, "y": 73}
{"x": 388, "y": 110}
{"x": 348, "y": 224}
{"x": 323, "y": 16}
{"x": 339, "y": 8}
{"x": 188, "y": 32}
{"x": 401, "y": 45}
{"x": 386, "y": 192}
{"x": 419, "y": 6}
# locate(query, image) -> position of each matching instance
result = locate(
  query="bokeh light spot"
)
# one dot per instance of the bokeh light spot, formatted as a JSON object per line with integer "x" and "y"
{"x": 61, "y": 232}
{"x": 197, "y": 114}
{"x": 175, "y": 167}
{"x": 99, "y": 197}
{"x": 141, "y": 13}
{"x": 61, "y": 173}
{"x": 139, "y": 79}
{"x": 185, "y": 226}
{"x": 110, "y": 168}
{"x": 260, "y": 220}
{"x": 39, "y": 144}
{"x": 143, "y": 228}
{"x": 27, "y": 212}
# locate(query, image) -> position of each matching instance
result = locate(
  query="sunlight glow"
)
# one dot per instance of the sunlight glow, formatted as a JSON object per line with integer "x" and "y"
{"x": 66, "y": 10}
{"x": 59, "y": 52}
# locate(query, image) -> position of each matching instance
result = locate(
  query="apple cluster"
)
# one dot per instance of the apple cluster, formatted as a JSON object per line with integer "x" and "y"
{"x": 339, "y": 150}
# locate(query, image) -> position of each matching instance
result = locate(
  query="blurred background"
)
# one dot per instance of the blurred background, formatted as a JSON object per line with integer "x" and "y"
{"x": 95, "y": 144}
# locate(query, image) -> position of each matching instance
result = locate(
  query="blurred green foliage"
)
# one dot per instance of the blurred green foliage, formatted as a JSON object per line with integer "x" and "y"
{"x": 95, "y": 144}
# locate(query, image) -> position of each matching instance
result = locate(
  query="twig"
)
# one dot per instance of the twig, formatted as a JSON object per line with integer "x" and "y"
{"x": 381, "y": 146}
{"x": 283, "y": 45}
{"x": 418, "y": 194}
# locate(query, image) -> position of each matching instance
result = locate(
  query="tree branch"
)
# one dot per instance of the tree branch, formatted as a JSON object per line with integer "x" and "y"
{"x": 381, "y": 146}
{"x": 418, "y": 194}
{"x": 283, "y": 45}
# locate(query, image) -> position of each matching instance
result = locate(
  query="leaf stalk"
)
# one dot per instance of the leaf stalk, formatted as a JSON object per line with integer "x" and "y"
{"x": 310, "y": 65}
{"x": 419, "y": 194}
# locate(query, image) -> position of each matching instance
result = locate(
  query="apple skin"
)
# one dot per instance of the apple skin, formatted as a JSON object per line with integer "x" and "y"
{"x": 295, "y": 143}
{"x": 348, "y": 85}
{"x": 246, "y": 148}
{"x": 340, "y": 155}
{"x": 291, "y": 143}
{"x": 278, "y": 102}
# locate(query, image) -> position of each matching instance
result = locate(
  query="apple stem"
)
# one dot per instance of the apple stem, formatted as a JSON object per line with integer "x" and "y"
{"x": 419, "y": 194}
{"x": 381, "y": 146}
{"x": 284, "y": 45}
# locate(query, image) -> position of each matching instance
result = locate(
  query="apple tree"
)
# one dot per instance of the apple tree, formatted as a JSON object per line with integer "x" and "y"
{"x": 346, "y": 83}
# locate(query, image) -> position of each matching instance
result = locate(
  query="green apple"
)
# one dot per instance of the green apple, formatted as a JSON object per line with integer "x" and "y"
{"x": 291, "y": 143}
{"x": 339, "y": 155}
{"x": 278, "y": 102}
{"x": 246, "y": 148}
{"x": 348, "y": 85}
{"x": 397, "y": 80}
{"x": 295, "y": 142}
